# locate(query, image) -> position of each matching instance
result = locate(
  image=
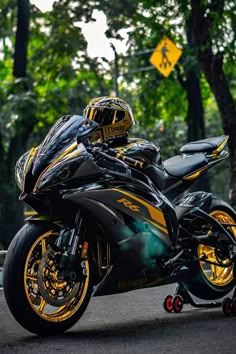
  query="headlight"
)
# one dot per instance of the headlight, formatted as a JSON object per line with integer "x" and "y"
{"x": 58, "y": 174}
{"x": 22, "y": 166}
{"x": 19, "y": 170}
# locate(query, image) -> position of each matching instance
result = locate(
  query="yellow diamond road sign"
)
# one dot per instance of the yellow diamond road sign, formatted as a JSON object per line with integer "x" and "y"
{"x": 165, "y": 56}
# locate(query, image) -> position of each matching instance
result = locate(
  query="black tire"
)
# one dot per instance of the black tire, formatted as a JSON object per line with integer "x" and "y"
{"x": 65, "y": 301}
{"x": 202, "y": 284}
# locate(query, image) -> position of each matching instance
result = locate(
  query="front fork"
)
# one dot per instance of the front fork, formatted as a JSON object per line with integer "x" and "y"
{"x": 73, "y": 250}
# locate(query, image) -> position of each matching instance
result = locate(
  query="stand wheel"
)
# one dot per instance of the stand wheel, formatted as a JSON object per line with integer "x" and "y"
{"x": 234, "y": 306}
{"x": 167, "y": 303}
{"x": 227, "y": 306}
{"x": 177, "y": 303}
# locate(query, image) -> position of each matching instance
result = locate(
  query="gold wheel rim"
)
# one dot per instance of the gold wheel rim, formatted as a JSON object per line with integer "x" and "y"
{"x": 217, "y": 275}
{"x": 38, "y": 303}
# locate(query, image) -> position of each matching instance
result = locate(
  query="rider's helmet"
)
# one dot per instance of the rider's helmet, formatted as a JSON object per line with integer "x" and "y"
{"x": 114, "y": 116}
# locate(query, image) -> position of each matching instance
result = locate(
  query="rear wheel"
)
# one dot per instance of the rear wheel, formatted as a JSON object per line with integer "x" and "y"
{"x": 213, "y": 281}
{"x": 39, "y": 299}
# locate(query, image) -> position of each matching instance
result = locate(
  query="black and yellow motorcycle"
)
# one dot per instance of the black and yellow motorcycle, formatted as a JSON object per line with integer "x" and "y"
{"x": 104, "y": 226}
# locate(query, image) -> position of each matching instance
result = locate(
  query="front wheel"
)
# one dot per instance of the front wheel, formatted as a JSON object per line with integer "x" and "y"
{"x": 210, "y": 281}
{"x": 38, "y": 298}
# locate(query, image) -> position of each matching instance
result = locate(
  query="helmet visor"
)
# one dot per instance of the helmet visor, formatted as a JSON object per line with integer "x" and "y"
{"x": 104, "y": 116}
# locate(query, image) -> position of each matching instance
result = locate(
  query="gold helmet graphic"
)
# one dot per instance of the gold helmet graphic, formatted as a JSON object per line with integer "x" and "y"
{"x": 114, "y": 116}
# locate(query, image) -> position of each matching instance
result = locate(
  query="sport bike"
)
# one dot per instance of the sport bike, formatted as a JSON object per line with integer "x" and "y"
{"x": 110, "y": 220}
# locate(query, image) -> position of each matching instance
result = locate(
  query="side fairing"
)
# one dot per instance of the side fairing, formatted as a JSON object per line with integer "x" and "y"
{"x": 136, "y": 229}
{"x": 145, "y": 216}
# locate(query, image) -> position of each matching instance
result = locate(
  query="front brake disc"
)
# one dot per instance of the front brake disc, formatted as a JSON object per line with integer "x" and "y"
{"x": 56, "y": 292}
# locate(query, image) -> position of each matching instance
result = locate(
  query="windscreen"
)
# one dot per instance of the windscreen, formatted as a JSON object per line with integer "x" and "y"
{"x": 64, "y": 132}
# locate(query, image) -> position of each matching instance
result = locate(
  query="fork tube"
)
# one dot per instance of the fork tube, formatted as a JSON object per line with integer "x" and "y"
{"x": 75, "y": 234}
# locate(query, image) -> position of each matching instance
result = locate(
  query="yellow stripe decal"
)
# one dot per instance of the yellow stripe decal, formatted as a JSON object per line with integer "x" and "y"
{"x": 31, "y": 155}
{"x": 196, "y": 173}
{"x": 220, "y": 147}
{"x": 155, "y": 214}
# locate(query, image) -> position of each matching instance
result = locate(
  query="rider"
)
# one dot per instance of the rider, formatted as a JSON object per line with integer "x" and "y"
{"x": 115, "y": 119}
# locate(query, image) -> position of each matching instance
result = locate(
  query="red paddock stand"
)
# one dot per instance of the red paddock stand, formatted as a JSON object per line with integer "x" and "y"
{"x": 181, "y": 296}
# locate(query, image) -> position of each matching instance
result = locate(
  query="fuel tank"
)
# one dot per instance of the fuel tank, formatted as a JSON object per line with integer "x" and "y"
{"x": 143, "y": 150}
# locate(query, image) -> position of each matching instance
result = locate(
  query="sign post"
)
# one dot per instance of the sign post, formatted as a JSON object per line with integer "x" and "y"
{"x": 165, "y": 56}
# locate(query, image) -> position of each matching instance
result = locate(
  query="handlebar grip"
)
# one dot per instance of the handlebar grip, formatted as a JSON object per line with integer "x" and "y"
{"x": 131, "y": 162}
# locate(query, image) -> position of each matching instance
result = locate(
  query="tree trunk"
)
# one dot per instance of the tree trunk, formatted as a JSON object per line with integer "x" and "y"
{"x": 22, "y": 33}
{"x": 195, "y": 115}
{"x": 195, "y": 121}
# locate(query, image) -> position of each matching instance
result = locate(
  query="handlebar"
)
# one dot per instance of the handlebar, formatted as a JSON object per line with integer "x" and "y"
{"x": 102, "y": 149}
{"x": 131, "y": 162}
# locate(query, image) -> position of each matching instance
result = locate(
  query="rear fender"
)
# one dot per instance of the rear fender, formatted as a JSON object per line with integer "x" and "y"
{"x": 192, "y": 202}
{"x": 197, "y": 199}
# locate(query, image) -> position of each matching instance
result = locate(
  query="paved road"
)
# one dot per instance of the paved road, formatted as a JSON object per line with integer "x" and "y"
{"x": 133, "y": 322}
{"x": 0, "y": 277}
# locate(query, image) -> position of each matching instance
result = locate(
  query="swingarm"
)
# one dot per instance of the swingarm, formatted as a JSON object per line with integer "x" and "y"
{"x": 203, "y": 215}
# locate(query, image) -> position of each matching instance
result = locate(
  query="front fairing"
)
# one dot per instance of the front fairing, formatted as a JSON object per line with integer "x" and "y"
{"x": 65, "y": 132}
{"x": 57, "y": 157}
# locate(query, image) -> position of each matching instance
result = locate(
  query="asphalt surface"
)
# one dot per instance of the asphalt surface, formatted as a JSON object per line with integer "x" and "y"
{"x": 133, "y": 322}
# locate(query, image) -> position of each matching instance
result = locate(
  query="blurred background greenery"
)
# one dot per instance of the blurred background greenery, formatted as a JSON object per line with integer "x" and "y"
{"x": 46, "y": 71}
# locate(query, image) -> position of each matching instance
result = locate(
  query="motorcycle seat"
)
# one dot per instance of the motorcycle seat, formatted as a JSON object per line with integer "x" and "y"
{"x": 206, "y": 145}
{"x": 180, "y": 166}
